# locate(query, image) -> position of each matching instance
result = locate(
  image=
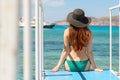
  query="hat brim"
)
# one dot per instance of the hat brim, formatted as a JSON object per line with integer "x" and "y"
{"x": 84, "y": 23}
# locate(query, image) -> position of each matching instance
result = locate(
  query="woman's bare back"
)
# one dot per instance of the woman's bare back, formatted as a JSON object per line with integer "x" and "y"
{"x": 75, "y": 55}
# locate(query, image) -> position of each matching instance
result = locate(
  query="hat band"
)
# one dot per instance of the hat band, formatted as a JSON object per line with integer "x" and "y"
{"x": 78, "y": 17}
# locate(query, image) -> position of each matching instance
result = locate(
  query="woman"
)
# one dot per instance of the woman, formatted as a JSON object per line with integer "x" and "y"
{"x": 77, "y": 53}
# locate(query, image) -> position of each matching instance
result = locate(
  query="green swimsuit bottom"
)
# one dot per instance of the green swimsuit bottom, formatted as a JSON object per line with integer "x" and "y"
{"x": 76, "y": 66}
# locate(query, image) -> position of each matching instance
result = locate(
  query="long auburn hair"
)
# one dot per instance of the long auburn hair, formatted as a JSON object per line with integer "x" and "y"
{"x": 79, "y": 37}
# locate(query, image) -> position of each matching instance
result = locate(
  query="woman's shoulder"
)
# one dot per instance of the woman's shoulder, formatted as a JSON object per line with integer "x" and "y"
{"x": 66, "y": 32}
{"x": 90, "y": 33}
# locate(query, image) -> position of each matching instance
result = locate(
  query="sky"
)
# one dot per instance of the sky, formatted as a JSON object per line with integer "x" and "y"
{"x": 57, "y": 10}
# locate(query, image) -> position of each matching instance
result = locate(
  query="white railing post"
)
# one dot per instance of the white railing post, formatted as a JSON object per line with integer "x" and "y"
{"x": 110, "y": 12}
{"x": 8, "y": 39}
{"x": 41, "y": 38}
{"x": 37, "y": 70}
{"x": 39, "y": 41}
{"x": 119, "y": 38}
{"x": 27, "y": 41}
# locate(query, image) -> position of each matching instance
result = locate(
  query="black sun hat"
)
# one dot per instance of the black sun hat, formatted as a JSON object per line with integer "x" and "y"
{"x": 78, "y": 19}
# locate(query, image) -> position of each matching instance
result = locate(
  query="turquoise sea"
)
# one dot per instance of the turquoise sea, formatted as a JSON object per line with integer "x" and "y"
{"x": 53, "y": 44}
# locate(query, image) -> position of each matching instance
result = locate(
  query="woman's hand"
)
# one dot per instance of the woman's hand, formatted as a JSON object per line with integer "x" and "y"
{"x": 98, "y": 70}
{"x": 55, "y": 69}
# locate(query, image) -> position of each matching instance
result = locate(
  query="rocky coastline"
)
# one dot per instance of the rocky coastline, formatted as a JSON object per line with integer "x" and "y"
{"x": 102, "y": 21}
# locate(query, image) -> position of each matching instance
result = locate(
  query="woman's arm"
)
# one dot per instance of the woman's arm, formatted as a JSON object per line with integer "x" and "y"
{"x": 64, "y": 53}
{"x": 61, "y": 60}
{"x": 91, "y": 57}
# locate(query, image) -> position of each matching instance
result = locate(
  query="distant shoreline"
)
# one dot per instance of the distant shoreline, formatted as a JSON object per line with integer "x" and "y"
{"x": 102, "y": 21}
{"x": 92, "y": 25}
{"x": 68, "y": 25}
{"x": 89, "y": 25}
